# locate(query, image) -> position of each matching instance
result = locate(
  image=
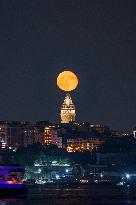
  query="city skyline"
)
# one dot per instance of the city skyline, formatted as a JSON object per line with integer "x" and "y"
{"x": 67, "y": 102}
{"x": 95, "y": 40}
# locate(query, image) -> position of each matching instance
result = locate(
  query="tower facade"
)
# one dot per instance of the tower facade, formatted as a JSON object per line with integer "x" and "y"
{"x": 68, "y": 110}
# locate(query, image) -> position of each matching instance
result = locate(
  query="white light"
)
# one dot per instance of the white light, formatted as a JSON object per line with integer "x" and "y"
{"x": 66, "y": 170}
{"x": 127, "y": 176}
{"x": 66, "y": 165}
{"x": 57, "y": 177}
{"x": 134, "y": 133}
{"x": 39, "y": 170}
{"x": 36, "y": 164}
{"x": 47, "y": 128}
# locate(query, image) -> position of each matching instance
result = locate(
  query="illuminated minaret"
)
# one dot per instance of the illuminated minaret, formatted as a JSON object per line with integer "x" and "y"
{"x": 68, "y": 110}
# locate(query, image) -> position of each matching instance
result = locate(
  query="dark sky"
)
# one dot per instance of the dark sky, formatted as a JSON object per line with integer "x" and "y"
{"x": 95, "y": 39}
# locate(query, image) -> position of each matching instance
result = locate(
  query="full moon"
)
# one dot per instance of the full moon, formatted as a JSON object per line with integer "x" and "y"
{"x": 67, "y": 81}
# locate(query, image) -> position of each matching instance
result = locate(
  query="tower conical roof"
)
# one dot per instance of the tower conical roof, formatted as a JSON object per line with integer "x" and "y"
{"x": 68, "y": 101}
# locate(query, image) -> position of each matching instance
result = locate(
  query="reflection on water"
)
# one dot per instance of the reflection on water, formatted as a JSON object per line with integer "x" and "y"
{"x": 83, "y": 195}
{"x": 75, "y": 201}
{"x": 3, "y": 202}
{"x": 85, "y": 201}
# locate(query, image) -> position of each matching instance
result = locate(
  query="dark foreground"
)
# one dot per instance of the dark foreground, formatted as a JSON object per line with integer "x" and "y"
{"x": 94, "y": 195}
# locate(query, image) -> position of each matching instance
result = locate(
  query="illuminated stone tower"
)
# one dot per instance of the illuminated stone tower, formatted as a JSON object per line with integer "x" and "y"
{"x": 68, "y": 110}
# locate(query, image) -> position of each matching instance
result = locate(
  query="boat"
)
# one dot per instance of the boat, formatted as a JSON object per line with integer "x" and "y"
{"x": 11, "y": 181}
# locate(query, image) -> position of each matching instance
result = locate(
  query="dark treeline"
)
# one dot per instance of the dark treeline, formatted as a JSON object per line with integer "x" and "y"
{"x": 45, "y": 154}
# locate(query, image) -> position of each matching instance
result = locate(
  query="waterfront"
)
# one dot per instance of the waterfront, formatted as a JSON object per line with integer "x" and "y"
{"x": 105, "y": 194}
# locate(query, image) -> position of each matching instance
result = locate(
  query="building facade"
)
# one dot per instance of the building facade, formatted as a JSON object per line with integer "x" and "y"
{"x": 51, "y": 137}
{"x": 4, "y": 134}
{"x": 83, "y": 144}
{"x": 32, "y": 135}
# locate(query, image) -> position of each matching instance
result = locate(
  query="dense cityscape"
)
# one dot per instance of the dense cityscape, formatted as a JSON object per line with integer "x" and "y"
{"x": 85, "y": 152}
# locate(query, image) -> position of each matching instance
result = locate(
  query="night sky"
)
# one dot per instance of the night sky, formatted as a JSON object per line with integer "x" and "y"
{"x": 95, "y": 39}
